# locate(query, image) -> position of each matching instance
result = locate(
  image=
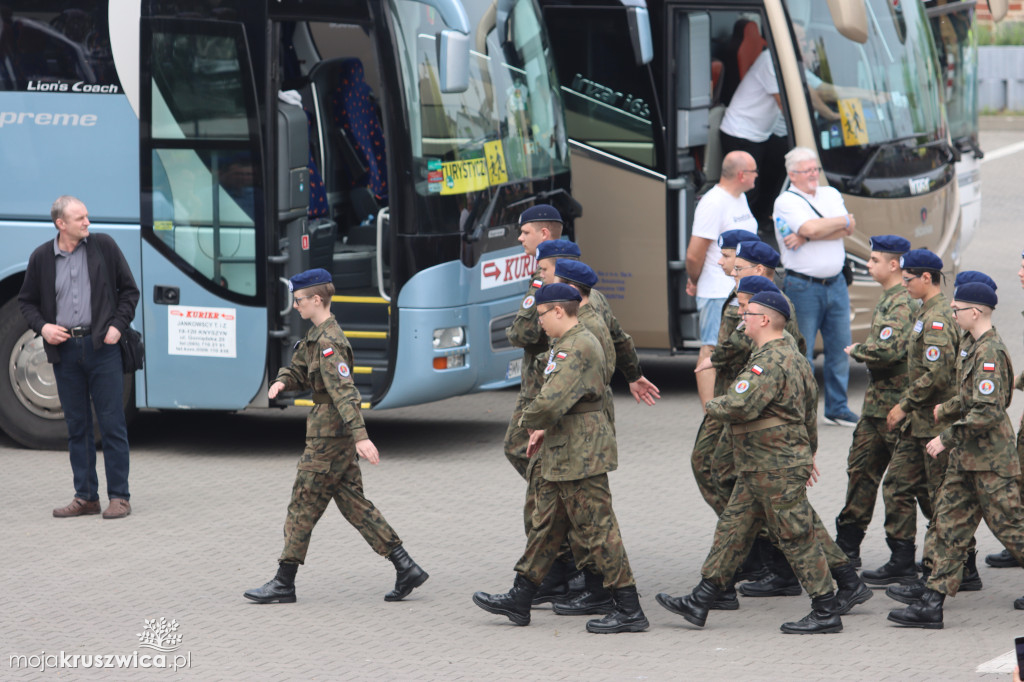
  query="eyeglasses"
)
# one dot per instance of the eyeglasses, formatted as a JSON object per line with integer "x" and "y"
{"x": 969, "y": 307}
{"x": 816, "y": 169}
{"x": 908, "y": 280}
{"x": 750, "y": 172}
{"x": 752, "y": 314}
{"x": 542, "y": 314}
{"x": 737, "y": 268}
{"x": 300, "y": 298}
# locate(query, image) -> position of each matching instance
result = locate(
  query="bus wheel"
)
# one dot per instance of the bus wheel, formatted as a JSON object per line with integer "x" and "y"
{"x": 30, "y": 411}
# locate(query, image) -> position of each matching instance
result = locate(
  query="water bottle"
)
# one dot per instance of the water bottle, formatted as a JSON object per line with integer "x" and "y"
{"x": 782, "y": 227}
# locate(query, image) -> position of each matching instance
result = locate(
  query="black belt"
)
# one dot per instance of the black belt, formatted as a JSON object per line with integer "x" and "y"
{"x": 322, "y": 399}
{"x": 79, "y": 332}
{"x": 882, "y": 373}
{"x": 585, "y": 406}
{"x": 816, "y": 280}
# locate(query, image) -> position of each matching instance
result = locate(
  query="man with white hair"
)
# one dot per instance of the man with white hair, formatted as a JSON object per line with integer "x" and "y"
{"x": 810, "y": 224}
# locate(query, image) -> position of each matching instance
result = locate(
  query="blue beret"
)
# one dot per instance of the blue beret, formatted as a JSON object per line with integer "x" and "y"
{"x": 557, "y": 293}
{"x": 576, "y": 272}
{"x": 966, "y": 276}
{"x": 557, "y": 248}
{"x": 920, "y": 258}
{"x": 976, "y": 292}
{"x": 540, "y": 213}
{"x": 758, "y": 252}
{"x": 730, "y": 238}
{"x": 889, "y": 243}
{"x": 755, "y": 284}
{"x": 309, "y": 278}
{"x": 774, "y": 300}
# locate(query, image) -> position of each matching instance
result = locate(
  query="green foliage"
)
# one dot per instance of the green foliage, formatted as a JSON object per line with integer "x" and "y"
{"x": 1003, "y": 33}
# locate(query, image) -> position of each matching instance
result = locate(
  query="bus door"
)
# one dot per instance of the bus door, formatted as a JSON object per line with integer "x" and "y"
{"x": 203, "y": 282}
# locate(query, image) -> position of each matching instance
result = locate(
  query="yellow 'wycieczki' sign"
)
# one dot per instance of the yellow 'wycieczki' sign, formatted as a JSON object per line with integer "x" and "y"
{"x": 851, "y": 113}
{"x": 473, "y": 175}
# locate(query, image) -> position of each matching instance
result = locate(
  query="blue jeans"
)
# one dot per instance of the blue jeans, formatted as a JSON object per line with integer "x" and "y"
{"x": 825, "y": 308}
{"x": 710, "y": 319}
{"x": 81, "y": 374}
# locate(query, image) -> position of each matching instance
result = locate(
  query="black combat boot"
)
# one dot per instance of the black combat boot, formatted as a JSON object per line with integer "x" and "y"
{"x": 899, "y": 569}
{"x": 726, "y": 600}
{"x": 849, "y": 537}
{"x": 924, "y": 613}
{"x": 555, "y": 585}
{"x": 1018, "y": 603}
{"x": 970, "y": 580}
{"x": 515, "y": 603}
{"x": 627, "y": 616}
{"x": 1001, "y": 560}
{"x": 852, "y": 590}
{"x": 594, "y": 599}
{"x": 693, "y": 607}
{"x": 281, "y": 589}
{"x": 753, "y": 567}
{"x": 911, "y": 592}
{"x": 823, "y": 618}
{"x": 408, "y": 576}
{"x": 780, "y": 580}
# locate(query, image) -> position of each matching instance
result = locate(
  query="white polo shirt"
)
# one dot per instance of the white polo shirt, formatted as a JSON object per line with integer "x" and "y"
{"x": 820, "y": 258}
{"x": 718, "y": 211}
{"x": 752, "y": 113}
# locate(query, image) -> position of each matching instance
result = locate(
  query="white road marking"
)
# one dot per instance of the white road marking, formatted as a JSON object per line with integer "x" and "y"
{"x": 1000, "y": 664}
{"x": 1003, "y": 151}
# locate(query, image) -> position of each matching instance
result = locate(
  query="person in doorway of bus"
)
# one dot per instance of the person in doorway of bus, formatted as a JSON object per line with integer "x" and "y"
{"x": 724, "y": 207}
{"x": 80, "y": 296}
{"x": 810, "y": 225}
{"x": 335, "y": 439}
{"x": 885, "y": 354}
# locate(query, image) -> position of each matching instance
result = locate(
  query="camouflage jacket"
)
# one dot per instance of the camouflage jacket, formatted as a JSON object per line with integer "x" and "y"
{"x": 777, "y": 385}
{"x": 626, "y": 359}
{"x": 526, "y": 333}
{"x": 322, "y": 361}
{"x": 932, "y": 360}
{"x": 578, "y": 439}
{"x": 885, "y": 352}
{"x": 982, "y": 437}
{"x": 595, "y": 325}
{"x": 732, "y": 353}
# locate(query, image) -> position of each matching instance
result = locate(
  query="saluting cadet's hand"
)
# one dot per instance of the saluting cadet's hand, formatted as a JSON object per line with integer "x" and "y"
{"x": 644, "y": 390}
{"x": 536, "y": 440}
{"x": 275, "y": 388}
{"x": 368, "y": 451}
{"x": 935, "y": 446}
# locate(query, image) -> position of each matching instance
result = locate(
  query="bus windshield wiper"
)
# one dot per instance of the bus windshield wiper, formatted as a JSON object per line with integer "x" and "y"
{"x": 857, "y": 181}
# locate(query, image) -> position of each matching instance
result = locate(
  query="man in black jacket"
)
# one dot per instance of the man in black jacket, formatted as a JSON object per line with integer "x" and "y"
{"x": 79, "y": 295}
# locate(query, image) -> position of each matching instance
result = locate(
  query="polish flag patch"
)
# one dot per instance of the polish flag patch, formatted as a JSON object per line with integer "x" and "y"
{"x": 989, "y": 366}
{"x": 938, "y": 325}
{"x": 328, "y": 352}
{"x": 756, "y": 370}
{"x": 536, "y": 284}
{"x": 561, "y": 355}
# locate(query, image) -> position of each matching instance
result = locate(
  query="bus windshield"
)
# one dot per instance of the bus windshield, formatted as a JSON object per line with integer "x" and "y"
{"x": 507, "y": 126}
{"x": 883, "y": 93}
{"x": 956, "y": 41}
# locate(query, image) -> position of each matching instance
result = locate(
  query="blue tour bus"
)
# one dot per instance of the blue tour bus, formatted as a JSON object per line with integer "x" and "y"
{"x": 227, "y": 144}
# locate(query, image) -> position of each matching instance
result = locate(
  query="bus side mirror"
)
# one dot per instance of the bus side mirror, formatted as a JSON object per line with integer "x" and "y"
{"x": 453, "y": 61}
{"x": 639, "y": 21}
{"x": 998, "y": 8}
{"x": 850, "y": 18}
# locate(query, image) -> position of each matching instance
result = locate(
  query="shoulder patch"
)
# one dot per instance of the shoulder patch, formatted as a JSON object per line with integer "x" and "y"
{"x": 932, "y": 353}
{"x": 756, "y": 369}
{"x": 536, "y": 284}
{"x": 918, "y": 326}
{"x": 741, "y": 386}
{"x": 550, "y": 368}
{"x": 988, "y": 366}
{"x": 885, "y": 333}
{"x": 963, "y": 353}
{"x": 938, "y": 325}
{"x": 561, "y": 355}
{"x": 527, "y": 302}
{"x": 343, "y": 369}
{"x": 327, "y": 352}
{"x": 986, "y": 386}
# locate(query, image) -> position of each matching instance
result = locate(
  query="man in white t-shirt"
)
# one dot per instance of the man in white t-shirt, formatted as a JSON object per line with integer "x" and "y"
{"x": 724, "y": 207}
{"x": 810, "y": 225}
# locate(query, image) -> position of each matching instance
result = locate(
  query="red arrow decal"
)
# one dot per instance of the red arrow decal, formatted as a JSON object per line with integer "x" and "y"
{"x": 491, "y": 269}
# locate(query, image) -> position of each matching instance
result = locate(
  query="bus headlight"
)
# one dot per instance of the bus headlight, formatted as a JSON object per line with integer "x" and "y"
{"x": 449, "y": 337}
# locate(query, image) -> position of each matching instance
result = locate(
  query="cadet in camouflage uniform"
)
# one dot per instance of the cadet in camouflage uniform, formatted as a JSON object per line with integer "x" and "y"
{"x": 567, "y": 421}
{"x": 335, "y": 435}
{"x": 772, "y": 412}
{"x": 913, "y": 477}
{"x": 982, "y": 480}
{"x": 885, "y": 354}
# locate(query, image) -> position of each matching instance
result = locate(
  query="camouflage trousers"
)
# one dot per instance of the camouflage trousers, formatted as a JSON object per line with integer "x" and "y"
{"x": 777, "y": 500}
{"x": 580, "y": 511}
{"x": 1020, "y": 455}
{"x": 702, "y": 463}
{"x": 870, "y": 452}
{"x": 517, "y": 438}
{"x": 964, "y": 499}
{"x": 328, "y": 469}
{"x": 912, "y": 480}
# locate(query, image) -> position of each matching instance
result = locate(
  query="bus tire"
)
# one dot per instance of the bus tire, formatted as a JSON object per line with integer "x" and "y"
{"x": 30, "y": 411}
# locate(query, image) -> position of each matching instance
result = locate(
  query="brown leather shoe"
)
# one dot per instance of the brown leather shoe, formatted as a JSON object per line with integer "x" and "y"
{"x": 118, "y": 509}
{"x": 78, "y": 507}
